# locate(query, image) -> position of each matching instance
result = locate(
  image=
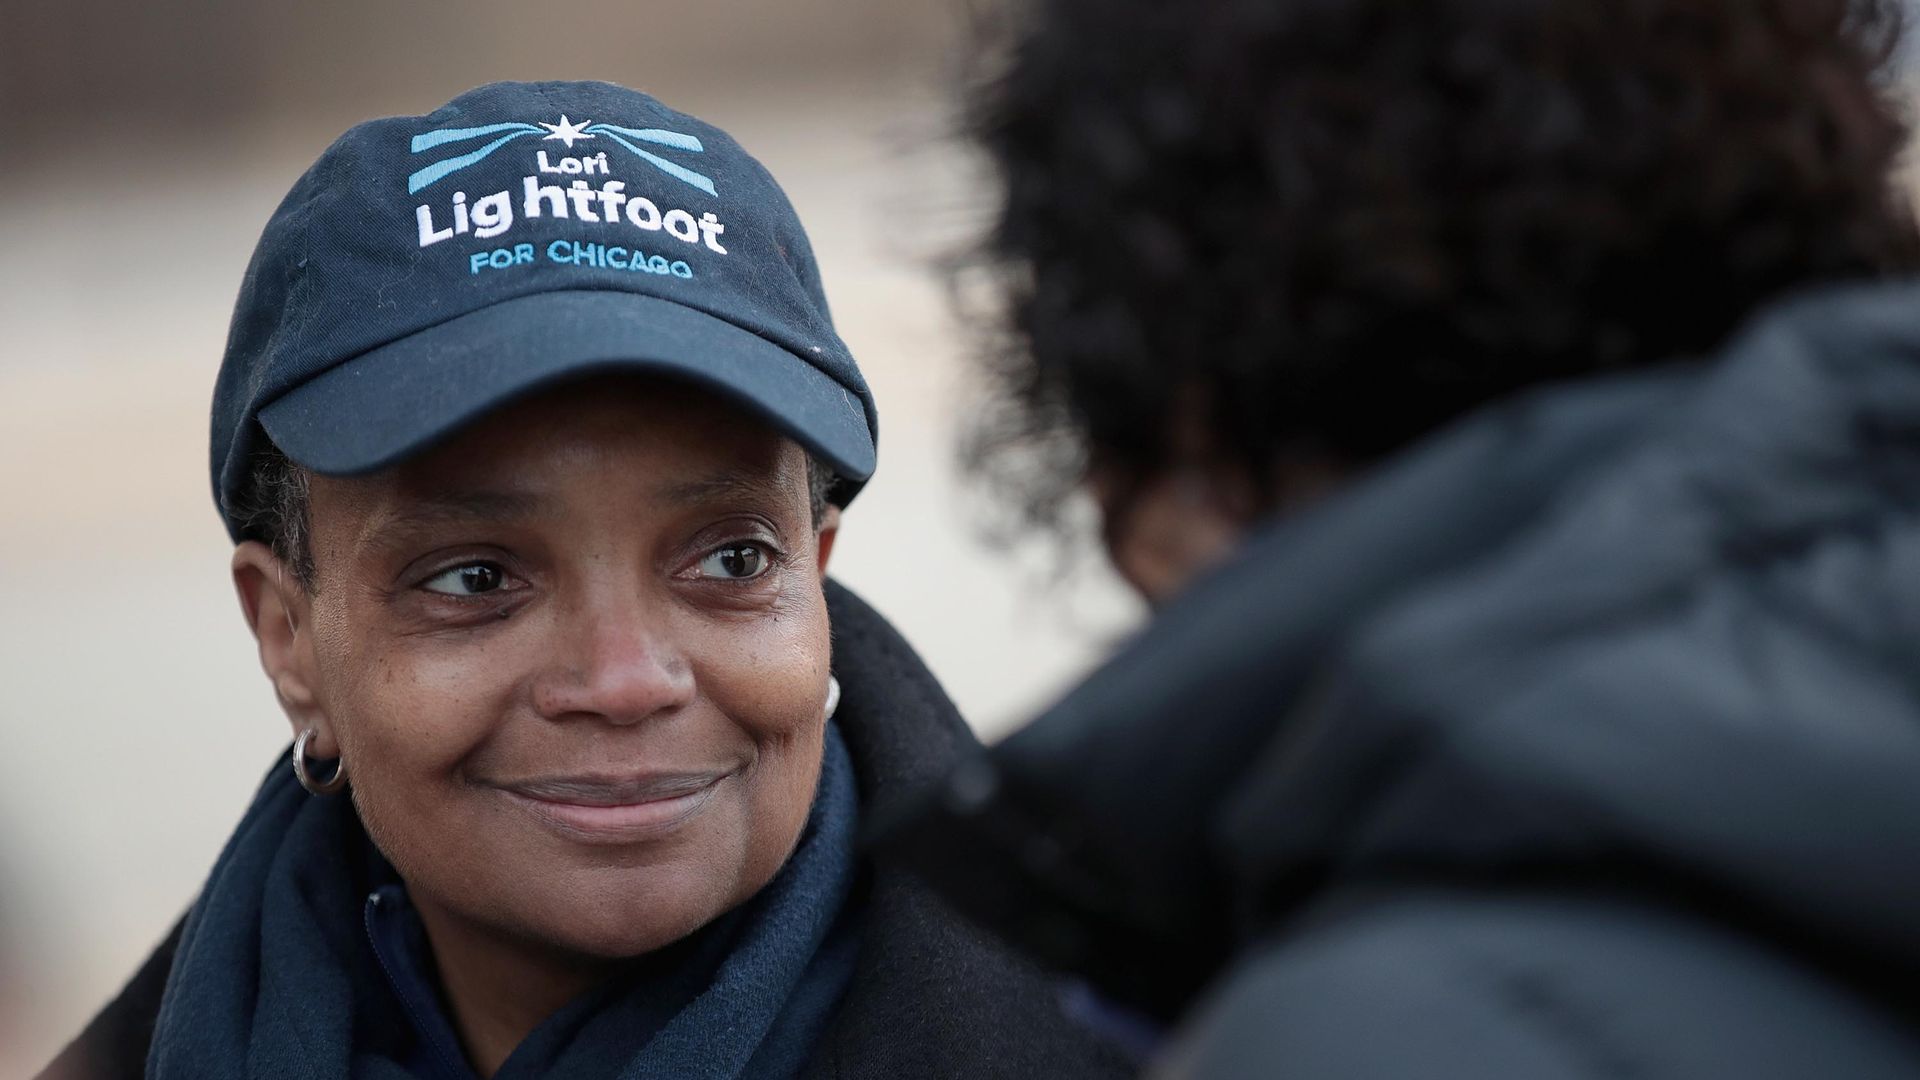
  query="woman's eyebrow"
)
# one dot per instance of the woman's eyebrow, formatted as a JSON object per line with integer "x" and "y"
{"x": 455, "y": 508}
{"x": 720, "y": 486}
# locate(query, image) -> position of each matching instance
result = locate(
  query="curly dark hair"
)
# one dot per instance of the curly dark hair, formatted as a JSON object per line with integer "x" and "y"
{"x": 1329, "y": 226}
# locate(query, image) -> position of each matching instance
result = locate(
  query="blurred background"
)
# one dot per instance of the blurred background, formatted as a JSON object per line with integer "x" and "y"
{"x": 143, "y": 146}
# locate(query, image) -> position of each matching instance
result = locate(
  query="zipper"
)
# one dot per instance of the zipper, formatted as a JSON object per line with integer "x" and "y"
{"x": 448, "y": 1069}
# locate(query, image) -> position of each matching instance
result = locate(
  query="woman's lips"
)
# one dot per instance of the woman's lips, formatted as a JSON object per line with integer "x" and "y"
{"x": 615, "y": 810}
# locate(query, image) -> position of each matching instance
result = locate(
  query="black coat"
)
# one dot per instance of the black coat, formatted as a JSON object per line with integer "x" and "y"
{"x": 1581, "y": 741}
{"x": 930, "y": 997}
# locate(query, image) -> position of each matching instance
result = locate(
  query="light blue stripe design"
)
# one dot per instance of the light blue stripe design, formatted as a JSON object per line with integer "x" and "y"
{"x": 446, "y": 135}
{"x": 439, "y": 169}
{"x": 653, "y": 135}
{"x": 678, "y": 172}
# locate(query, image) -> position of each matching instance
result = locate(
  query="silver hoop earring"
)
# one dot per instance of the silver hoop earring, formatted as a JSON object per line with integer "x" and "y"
{"x": 330, "y": 785}
{"x": 833, "y": 696}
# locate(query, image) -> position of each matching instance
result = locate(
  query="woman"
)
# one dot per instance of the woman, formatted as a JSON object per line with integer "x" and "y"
{"x": 1531, "y": 690}
{"x": 533, "y": 434}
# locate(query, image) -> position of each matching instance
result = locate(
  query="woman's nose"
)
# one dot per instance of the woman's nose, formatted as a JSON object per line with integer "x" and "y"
{"x": 618, "y": 666}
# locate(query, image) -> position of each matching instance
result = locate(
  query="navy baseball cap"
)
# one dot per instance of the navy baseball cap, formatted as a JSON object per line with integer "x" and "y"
{"x": 430, "y": 269}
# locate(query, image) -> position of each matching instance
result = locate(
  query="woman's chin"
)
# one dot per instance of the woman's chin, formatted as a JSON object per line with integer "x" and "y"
{"x": 611, "y": 919}
{"x": 609, "y": 936}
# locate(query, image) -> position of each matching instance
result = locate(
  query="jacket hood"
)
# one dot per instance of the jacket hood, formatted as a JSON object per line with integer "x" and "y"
{"x": 1657, "y": 633}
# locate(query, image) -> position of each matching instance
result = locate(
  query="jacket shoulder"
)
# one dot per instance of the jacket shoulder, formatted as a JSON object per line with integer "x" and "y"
{"x": 934, "y": 997}
{"x": 1471, "y": 984}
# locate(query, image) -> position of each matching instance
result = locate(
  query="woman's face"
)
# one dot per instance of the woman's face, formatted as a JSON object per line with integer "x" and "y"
{"x": 575, "y": 662}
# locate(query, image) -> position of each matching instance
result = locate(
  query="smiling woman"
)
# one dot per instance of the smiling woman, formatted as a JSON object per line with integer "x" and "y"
{"x": 574, "y": 664}
{"x": 470, "y": 645}
{"x": 582, "y": 733}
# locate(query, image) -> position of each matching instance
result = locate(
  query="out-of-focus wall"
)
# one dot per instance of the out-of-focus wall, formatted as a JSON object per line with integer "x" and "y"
{"x": 141, "y": 148}
{"x": 69, "y": 70}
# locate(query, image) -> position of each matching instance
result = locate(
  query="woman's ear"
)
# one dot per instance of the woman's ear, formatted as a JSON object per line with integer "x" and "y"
{"x": 829, "y": 529}
{"x": 279, "y": 611}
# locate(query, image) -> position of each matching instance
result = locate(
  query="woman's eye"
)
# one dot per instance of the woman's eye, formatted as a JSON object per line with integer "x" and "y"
{"x": 472, "y": 579}
{"x": 735, "y": 562}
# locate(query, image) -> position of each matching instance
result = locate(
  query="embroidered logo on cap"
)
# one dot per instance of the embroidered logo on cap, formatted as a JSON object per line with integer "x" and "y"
{"x": 610, "y": 203}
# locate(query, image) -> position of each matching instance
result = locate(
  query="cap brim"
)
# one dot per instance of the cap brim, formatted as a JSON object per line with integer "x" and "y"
{"x": 391, "y": 402}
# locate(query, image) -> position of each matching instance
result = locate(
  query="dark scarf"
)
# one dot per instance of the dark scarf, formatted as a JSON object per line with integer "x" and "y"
{"x": 274, "y": 976}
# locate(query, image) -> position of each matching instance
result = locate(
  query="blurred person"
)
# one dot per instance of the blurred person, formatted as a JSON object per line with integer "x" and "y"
{"x": 1512, "y": 410}
{"x": 533, "y": 434}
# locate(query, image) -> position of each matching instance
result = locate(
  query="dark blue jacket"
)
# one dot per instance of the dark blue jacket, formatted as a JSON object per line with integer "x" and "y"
{"x": 1581, "y": 741}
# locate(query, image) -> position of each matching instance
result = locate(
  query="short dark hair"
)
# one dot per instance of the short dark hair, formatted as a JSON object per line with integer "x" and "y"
{"x": 1329, "y": 226}
{"x": 277, "y": 510}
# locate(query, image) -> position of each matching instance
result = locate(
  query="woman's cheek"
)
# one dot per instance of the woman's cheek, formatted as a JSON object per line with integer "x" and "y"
{"x": 447, "y": 693}
{"x": 419, "y": 706}
{"x": 417, "y": 711}
{"x": 775, "y": 671}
